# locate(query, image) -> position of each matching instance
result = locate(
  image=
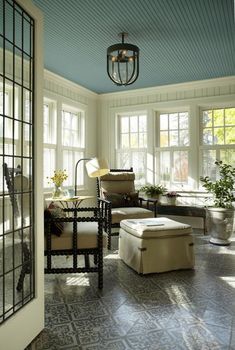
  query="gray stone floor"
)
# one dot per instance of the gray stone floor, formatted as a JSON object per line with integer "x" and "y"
{"x": 190, "y": 309}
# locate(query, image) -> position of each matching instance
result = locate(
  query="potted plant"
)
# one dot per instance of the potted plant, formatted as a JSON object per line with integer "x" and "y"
{"x": 58, "y": 178}
{"x": 221, "y": 215}
{"x": 153, "y": 191}
{"x": 171, "y": 197}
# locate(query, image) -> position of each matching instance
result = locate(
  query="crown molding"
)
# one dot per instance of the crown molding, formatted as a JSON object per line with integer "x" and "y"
{"x": 68, "y": 84}
{"x": 199, "y": 84}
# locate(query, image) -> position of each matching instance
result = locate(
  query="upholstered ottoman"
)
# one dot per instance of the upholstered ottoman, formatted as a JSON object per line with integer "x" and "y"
{"x": 156, "y": 245}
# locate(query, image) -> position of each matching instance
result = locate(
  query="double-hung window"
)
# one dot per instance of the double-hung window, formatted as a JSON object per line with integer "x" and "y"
{"x": 63, "y": 141}
{"x": 217, "y": 138}
{"x": 172, "y": 153}
{"x": 131, "y": 145}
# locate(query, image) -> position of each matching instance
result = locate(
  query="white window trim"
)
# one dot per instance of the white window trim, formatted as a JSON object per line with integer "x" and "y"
{"x": 59, "y": 103}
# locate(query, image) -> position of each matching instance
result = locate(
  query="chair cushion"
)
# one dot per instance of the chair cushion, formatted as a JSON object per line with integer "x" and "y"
{"x": 119, "y": 214}
{"x": 122, "y": 182}
{"x": 155, "y": 228}
{"x": 86, "y": 238}
{"x": 118, "y": 176}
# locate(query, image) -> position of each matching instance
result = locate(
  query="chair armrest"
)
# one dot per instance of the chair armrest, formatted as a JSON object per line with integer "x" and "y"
{"x": 149, "y": 201}
{"x": 105, "y": 208}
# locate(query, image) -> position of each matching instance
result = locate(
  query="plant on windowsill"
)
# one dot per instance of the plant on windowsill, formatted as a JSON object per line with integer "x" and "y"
{"x": 153, "y": 191}
{"x": 221, "y": 215}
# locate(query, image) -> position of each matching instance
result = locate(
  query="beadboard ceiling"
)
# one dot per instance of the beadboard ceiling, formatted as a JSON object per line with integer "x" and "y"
{"x": 179, "y": 40}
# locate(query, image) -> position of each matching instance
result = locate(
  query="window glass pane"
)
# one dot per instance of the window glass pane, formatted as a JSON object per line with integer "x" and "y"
{"x": 219, "y": 136}
{"x": 124, "y": 124}
{"x": 139, "y": 165}
{"x": 207, "y": 119}
{"x": 70, "y": 132}
{"x": 70, "y": 158}
{"x": 180, "y": 171}
{"x": 142, "y": 123}
{"x": 48, "y": 166}
{"x": 164, "y": 139}
{"x": 68, "y": 165}
{"x": 173, "y": 121}
{"x": 134, "y": 140}
{"x": 49, "y": 123}
{"x": 134, "y": 124}
{"x": 125, "y": 141}
{"x": 208, "y": 163}
{"x": 230, "y": 135}
{"x": 123, "y": 160}
{"x": 173, "y": 138}
{"x": 218, "y": 117}
{"x": 165, "y": 168}
{"x": 132, "y": 137}
{"x": 228, "y": 156}
{"x": 27, "y": 106}
{"x": 7, "y": 103}
{"x": 164, "y": 122}
{"x": 230, "y": 116}
{"x": 207, "y": 137}
{"x": 183, "y": 120}
{"x": 184, "y": 138}
{"x": 142, "y": 140}
{"x": 46, "y": 127}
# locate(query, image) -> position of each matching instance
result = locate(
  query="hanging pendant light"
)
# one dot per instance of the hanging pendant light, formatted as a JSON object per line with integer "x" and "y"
{"x": 123, "y": 62}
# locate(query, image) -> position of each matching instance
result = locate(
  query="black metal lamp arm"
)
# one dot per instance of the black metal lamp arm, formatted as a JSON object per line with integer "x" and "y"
{"x": 76, "y": 167}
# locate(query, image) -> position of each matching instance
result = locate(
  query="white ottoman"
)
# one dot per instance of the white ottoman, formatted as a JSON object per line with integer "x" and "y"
{"x": 156, "y": 245}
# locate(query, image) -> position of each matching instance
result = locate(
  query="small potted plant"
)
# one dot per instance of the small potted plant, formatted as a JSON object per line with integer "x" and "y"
{"x": 171, "y": 197}
{"x": 153, "y": 191}
{"x": 221, "y": 215}
{"x": 58, "y": 178}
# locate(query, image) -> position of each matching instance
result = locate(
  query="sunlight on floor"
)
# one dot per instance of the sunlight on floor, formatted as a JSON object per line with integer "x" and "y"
{"x": 229, "y": 280}
{"x": 174, "y": 293}
{"x": 113, "y": 255}
{"x": 77, "y": 281}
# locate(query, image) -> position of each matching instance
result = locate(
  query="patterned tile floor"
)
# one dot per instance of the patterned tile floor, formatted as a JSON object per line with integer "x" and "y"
{"x": 190, "y": 309}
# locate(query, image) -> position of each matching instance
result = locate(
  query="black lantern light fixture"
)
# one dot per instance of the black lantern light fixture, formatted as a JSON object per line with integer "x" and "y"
{"x": 123, "y": 62}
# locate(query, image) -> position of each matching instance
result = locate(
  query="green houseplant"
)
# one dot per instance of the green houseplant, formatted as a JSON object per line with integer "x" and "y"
{"x": 221, "y": 215}
{"x": 153, "y": 191}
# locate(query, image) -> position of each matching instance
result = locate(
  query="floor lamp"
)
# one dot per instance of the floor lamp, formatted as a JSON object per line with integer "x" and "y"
{"x": 95, "y": 168}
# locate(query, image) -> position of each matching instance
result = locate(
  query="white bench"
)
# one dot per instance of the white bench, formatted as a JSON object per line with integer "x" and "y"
{"x": 156, "y": 245}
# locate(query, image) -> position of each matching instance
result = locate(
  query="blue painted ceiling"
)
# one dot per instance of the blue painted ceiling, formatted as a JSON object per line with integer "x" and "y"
{"x": 179, "y": 40}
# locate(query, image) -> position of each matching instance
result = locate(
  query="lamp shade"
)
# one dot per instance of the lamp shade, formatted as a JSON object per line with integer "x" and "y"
{"x": 97, "y": 167}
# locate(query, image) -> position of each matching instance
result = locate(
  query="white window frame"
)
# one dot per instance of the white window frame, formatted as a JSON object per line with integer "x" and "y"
{"x": 57, "y": 105}
{"x": 214, "y": 147}
{"x": 80, "y": 149}
{"x": 142, "y": 150}
{"x": 54, "y": 137}
{"x": 171, "y": 149}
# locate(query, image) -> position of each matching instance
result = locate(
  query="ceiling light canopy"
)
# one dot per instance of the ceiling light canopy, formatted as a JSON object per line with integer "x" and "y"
{"x": 123, "y": 62}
